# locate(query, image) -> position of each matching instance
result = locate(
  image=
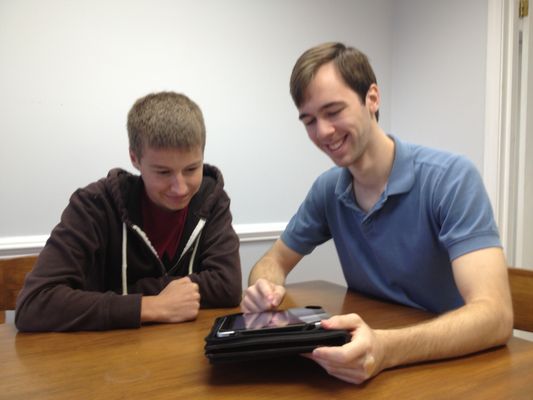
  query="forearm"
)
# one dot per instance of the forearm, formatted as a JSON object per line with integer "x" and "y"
{"x": 64, "y": 309}
{"x": 267, "y": 268}
{"x": 471, "y": 328}
{"x": 58, "y": 296}
{"x": 151, "y": 286}
{"x": 275, "y": 265}
{"x": 267, "y": 279}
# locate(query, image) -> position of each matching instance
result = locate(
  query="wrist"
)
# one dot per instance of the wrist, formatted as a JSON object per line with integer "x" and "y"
{"x": 148, "y": 309}
{"x": 387, "y": 344}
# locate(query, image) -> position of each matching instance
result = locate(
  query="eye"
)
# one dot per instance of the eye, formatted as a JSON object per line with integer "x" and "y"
{"x": 163, "y": 172}
{"x": 334, "y": 112}
{"x": 308, "y": 121}
{"x": 192, "y": 170}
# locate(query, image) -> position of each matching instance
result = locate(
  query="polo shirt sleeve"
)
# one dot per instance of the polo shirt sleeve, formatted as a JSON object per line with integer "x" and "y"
{"x": 463, "y": 210}
{"x": 308, "y": 228}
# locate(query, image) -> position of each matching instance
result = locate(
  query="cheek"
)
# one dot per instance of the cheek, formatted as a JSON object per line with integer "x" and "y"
{"x": 311, "y": 134}
{"x": 195, "y": 183}
{"x": 156, "y": 184}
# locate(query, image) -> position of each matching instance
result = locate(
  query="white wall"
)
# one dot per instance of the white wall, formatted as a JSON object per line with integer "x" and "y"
{"x": 322, "y": 264}
{"x": 70, "y": 70}
{"x": 436, "y": 94}
{"x": 438, "y": 74}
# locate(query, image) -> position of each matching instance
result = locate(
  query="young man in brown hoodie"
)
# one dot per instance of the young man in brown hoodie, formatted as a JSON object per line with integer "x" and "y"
{"x": 131, "y": 249}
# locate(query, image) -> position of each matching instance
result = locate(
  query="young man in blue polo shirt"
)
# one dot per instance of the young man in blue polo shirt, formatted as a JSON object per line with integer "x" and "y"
{"x": 411, "y": 224}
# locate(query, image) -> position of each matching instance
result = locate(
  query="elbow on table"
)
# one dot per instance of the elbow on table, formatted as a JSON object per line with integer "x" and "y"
{"x": 508, "y": 325}
{"x": 30, "y": 316}
{"x": 504, "y": 321}
{"x": 24, "y": 322}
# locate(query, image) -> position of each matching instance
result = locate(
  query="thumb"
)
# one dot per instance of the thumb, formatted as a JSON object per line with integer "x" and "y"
{"x": 347, "y": 321}
{"x": 277, "y": 295}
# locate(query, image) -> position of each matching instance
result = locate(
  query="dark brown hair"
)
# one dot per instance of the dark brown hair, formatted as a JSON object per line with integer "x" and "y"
{"x": 352, "y": 64}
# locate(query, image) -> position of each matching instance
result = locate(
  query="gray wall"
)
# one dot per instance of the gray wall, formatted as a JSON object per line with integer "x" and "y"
{"x": 438, "y": 74}
{"x": 70, "y": 70}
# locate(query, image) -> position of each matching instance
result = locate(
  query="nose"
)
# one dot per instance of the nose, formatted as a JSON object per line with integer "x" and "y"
{"x": 178, "y": 186}
{"x": 324, "y": 128}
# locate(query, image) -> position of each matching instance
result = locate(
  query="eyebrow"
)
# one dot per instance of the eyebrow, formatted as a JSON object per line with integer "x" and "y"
{"x": 324, "y": 107}
{"x": 193, "y": 164}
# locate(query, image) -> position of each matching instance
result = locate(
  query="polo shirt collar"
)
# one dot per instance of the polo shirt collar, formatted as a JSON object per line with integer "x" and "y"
{"x": 401, "y": 179}
{"x": 402, "y": 176}
{"x": 343, "y": 188}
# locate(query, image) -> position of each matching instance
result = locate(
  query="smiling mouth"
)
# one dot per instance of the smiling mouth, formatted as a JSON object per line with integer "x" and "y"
{"x": 176, "y": 198}
{"x": 336, "y": 145}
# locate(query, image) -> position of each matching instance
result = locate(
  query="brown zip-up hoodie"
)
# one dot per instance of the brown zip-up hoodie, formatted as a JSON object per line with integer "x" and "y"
{"x": 77, "y": 283}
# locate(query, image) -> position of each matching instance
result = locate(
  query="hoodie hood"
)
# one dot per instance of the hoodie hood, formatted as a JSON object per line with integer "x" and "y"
{"x": 126, "y": 188}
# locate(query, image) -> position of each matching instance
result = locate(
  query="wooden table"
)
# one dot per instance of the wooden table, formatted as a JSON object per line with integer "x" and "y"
{"x": 167, "y": 362}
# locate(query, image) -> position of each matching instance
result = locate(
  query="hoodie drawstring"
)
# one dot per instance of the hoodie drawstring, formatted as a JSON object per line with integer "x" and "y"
{"x": 124, "y": 260}
{"x": 195, "y": 237}
{"x": 191, "y": 262}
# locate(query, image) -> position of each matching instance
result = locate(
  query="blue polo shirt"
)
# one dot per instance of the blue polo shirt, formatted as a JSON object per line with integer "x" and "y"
{"x": 434, "y": 209}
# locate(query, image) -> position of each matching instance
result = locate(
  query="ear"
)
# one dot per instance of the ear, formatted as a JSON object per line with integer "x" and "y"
{"x": 134, "y": 160}
{"x": 373, "y": 99}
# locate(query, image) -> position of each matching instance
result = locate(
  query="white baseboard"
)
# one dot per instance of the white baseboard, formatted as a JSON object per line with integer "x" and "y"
{"x": 32, "y": 244}
{"x": 21, "y": 245}
{"x": 523, "y": 335}
{"x": 259, "y": 232}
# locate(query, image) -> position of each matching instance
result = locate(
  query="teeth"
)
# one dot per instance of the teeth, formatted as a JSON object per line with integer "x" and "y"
{"x": 335, "y": 146}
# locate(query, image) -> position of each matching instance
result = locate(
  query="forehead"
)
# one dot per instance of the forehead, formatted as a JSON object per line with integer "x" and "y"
{"x": 326, "y": 87}
{"x": 171, "y": 155}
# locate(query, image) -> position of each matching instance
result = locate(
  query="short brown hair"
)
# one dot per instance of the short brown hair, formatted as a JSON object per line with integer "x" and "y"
{"x": 352, "y": 64}
{"x": 165, "y": 119}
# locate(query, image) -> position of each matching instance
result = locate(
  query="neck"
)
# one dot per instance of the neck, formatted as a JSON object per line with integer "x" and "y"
{"x": 371, "y": 172}
{"x": 375, "y": 164}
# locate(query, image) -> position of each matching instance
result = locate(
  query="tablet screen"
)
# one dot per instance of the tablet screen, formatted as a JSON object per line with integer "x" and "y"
{"x": 293, "y": 317}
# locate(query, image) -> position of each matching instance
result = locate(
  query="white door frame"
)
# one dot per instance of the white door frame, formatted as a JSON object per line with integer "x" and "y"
{"x": 524, "y": 215}
{"x": 500, "y": 163}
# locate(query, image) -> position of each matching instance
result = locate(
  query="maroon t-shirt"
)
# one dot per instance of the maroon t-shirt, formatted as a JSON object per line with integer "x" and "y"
{"x": 163, "y": 227}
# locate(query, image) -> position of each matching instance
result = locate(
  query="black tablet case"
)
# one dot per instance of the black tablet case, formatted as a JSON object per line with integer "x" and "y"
{"x": 268, "y": 344}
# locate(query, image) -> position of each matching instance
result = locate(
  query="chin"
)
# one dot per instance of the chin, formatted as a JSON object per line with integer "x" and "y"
{"x": 340, "y": 162}
{"x": 175, "y": 205}
{"x": 170, "y": 206}
{"x": 177, "y": 208}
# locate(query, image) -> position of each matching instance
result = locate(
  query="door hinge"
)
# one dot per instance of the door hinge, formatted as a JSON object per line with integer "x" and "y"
{"x": 523, "y": 8}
